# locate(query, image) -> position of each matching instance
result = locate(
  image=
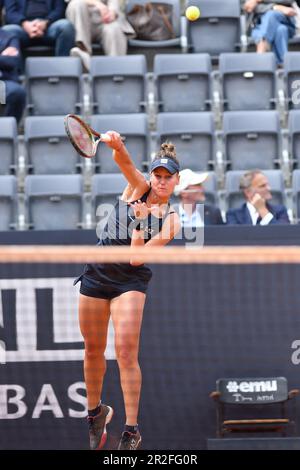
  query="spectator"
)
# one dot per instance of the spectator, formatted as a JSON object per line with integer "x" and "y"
{"x": 272, "y": 24}
{"x": 257, "y": 210}
{"x": 100, "y": 21}
{"x": 296, "y": 6}
{"x": 1, "y": 12}
{"x": 40, "y": 22}
{"x": 191, "y": 193}
{"x": 15, "y": 96}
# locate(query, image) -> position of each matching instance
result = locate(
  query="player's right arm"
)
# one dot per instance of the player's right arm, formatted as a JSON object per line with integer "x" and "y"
{"x": 135, "y": 178}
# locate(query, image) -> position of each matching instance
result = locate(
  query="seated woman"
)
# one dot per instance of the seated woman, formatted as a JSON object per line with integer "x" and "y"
{"x": 272, "y": 25}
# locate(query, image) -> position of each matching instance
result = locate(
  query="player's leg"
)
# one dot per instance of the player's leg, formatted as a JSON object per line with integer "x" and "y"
{"x": 93, "y": 319}
{"x": 127, "y": 314}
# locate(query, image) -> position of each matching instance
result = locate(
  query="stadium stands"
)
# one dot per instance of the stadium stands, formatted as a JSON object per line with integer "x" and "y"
{"x": 237, "y": 113}
{"x": 253, "y": 75}
{"x": 134, "y": 130}
{"x": 292, "y": 78}
{"x": 193, "y": 135}
{"x": 252, "y": 139}
{"x": 107, "y": 188}
{"x": 296, "y": 194}
{"x": 219, "y": 28}
{"x": 8, "y": 202}
{"x": 184, "y": 75}
{"x": 294, "y": 133}
{"x": 8, "y": 144}
{"x": 48, "y": 147}
{"x": 211, "y": 188}
{"x": 58, "y": 77}
{"x": 54, "y": 201}
{"x": 118, "y": 84}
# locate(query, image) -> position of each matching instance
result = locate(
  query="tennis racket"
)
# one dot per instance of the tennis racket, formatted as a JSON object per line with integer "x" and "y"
{"x": 83, "y": 138}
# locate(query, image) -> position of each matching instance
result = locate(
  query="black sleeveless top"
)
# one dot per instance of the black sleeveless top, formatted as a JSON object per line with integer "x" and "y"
{"x": 118, "y": 231}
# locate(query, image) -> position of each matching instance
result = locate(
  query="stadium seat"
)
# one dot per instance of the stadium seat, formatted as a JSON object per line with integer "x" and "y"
{"x": 248, "y": 81}
{"x": 235, "y": 198}
{"x": 118, "y": 84}
{"x": 54, "y": 202}
{"x": 294, "y": 133}
{"x": 107, "y": 188}
{"x": 48, "y": 148}
{"x": 252, "y": 139}
{"x": 2, "y": 98}
{"x": 211, "y": 188}
{"x": 296, "y": 194}
{"x": 291, "y": 72}
{"x": 186, "y": 76}
{"x": 134, "y": 129}
{"x": 8, "y": 144}
{"x": 193, "y": 135}
{"x": 218, "y": 28}
{"x": 176, "y": 23}
{"x": 53, "y": 85}
{"x": 8, "y": 202}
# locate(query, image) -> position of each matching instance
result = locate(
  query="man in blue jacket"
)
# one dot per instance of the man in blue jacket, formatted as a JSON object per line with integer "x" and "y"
{"x": 15, "y": 96}
{"x": 257, "y": 210}
{"x": 40, "y": 22}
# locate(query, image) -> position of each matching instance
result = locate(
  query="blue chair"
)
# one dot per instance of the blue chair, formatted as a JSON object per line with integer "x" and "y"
{"x": 134, "y": 130}
{"x": 218, "y": 29}
{"x": 8, "y": 145}
{"x": 48, "y": 147}
{"x": 106, "y": 189}
{"x": 248, "y": 81}
{"x": 54, "y": 202}
{"x": 193, "y": 136}
{"x": 8, "y": 202}
{"x": 55, "y": 77}
{"x": 119, "y": 84}
{"x": 252, "y": 139}
{"x": 294, "y": 133}
{"x": 291, "y": 71}
{"x": 187, "y": 76}
{"x": 296, "y": 194}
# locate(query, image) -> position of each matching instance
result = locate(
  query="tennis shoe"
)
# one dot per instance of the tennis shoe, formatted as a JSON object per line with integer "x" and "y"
{"x": 97, "y": 427}
{"x": 130, "y": 441}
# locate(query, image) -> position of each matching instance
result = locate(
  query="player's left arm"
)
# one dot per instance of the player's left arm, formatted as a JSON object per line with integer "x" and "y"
{"x": 170, "y": 228}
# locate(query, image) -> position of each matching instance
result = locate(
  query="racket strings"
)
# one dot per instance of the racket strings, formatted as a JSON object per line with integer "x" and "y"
{"x": 80, "y": 136}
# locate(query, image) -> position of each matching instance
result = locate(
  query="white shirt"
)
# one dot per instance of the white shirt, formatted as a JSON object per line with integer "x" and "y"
{"x": 195, "y": 220}
{"x": 254, "y": 215}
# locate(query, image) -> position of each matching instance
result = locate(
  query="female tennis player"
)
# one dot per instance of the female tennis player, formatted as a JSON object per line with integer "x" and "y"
{"x": 141, "y": 217}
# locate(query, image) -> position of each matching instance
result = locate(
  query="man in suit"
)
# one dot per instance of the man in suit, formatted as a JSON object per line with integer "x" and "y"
{"x": 40, "y": 22}
{"x": 192, "y": 198}
{"x": 14, "y": 93}
{"x": 257, "y": 210}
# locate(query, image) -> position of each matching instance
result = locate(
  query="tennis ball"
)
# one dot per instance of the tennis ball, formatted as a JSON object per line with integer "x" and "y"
{"x": 192, "y": 13}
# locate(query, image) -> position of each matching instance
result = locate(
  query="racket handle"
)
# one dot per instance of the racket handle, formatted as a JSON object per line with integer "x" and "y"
{"x": 105, "y": 138}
